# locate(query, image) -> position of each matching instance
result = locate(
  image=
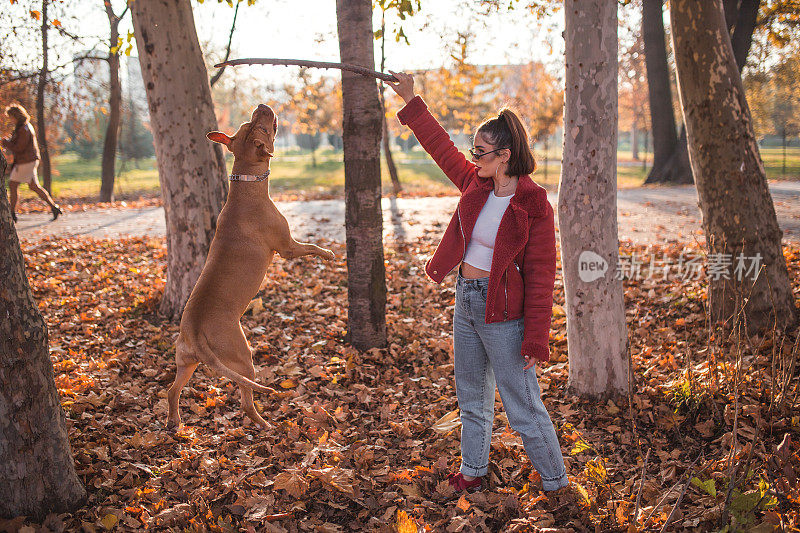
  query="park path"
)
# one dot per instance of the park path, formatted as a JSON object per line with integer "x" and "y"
{"x": 646, "y": 215}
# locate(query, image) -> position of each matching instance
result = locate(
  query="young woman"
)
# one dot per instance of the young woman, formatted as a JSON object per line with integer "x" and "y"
{"x": 503, "y": 237}
{"x": 25, "y": 150}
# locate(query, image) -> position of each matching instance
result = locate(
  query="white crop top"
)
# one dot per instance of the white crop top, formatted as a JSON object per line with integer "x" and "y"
{"x": 481, "y": 244}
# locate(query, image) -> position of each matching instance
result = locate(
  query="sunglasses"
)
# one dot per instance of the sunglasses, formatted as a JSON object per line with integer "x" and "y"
{"x": 477, "y": 155}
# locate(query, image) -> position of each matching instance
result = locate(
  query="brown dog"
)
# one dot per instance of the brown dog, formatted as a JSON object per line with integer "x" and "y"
{"x": 250, "y": 229}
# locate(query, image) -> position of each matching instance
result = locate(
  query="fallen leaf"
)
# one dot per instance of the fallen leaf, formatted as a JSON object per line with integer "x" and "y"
{"x": 447, "y": 423}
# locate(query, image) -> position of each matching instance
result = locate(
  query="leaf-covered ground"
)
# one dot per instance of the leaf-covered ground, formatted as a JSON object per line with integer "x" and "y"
{"x": 32, "y": 204}
{"x": 364, "y": 441}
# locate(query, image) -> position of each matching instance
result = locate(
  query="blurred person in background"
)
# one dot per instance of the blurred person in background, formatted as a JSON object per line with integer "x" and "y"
{"x": 25, "y": 150}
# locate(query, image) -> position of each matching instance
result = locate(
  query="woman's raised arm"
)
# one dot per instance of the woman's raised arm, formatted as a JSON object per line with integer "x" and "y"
{"x": 430, "y": 134}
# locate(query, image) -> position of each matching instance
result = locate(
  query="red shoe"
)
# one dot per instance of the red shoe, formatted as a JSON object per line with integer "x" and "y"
{"x": 459, "y": 483}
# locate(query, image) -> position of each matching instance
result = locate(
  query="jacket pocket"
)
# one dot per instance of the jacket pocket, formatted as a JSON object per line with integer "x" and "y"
{"x": 516, "y": 290}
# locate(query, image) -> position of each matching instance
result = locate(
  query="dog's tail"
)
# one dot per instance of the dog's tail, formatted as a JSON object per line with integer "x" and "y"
{"x": 206, "y": 355}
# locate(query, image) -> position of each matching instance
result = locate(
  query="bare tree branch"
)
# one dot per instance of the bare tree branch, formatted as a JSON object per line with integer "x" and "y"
{"x": 19, "y": 78}
{"x": 52, "y": 70}
{"x": 84, "y": 58}
{"x": 218, "y": 74}
{"x": 305, "y": 63}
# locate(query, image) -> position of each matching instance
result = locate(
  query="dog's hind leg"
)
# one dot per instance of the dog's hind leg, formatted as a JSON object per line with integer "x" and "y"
{"x": 249, "y": 407}
{"x": 186, "y": 367}
{"x": 239, "y": 358}
{"x": 247, "y": 370}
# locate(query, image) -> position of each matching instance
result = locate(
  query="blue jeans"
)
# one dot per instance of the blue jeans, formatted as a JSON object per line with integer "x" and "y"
{"x": 485, "y": 353}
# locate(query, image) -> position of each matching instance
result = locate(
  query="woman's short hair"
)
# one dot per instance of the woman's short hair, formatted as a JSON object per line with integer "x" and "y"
{"x": 507, "y": 131}
{"x": 18, "y": 112}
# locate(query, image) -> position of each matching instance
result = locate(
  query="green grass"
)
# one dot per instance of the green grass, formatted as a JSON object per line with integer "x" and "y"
{"x": 773, "y": 163}
{"x": 76, "y": 177}
{"x": 293, "y": 173}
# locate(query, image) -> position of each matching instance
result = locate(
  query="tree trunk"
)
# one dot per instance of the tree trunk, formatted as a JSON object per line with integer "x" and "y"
{"x": 677, "y": 170}
{"x": 783, "y": 145}
{"x": 742, "y": 36}
{"x": 663, "y": 121}
{"x": 738, "y": 213}
{"x": 108, "y": 167}
{"x": 670, "y": 159}
{"x": 387, "y": 149}
{"x": 41, "y": 130}
{"x": 731, "y": 11}
{"x": 37, "y": 473}
{"x": 634, "y": 141}
{"x": 587, "y": 202}
{"x": 546, "y": 154}
{"x": 387, "y": 152}
{"x": 191, "y": 169}
{"x": 361, "y": 126}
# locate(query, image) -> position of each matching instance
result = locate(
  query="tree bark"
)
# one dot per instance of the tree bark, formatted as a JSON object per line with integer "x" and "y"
{"x": 670, "y": 159}
{"x": 738, "y": 212}
{"x": 387, "y": 153}
{"x": 731, "y": 11}
{"x": 387, "y": 148}
{"x": 37, "y": 473}
{"x": 361, "y": 127}
{"x": 783, "y": 145}
{"x": 660, "y": 94}
{"x": 191, "y": 169}
{"x": 677, "y": 170}
{"x": 634, "y": 141}
{"x": 742, "y": 36}
{"x": 109, "y": 160}
{"x": 546, "y": 155}
{"x": 41, "y": 130}
{"x": 587, "y": 202}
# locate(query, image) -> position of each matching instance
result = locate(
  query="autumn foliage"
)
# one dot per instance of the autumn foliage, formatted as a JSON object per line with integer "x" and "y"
{"x": 363, "y": 441}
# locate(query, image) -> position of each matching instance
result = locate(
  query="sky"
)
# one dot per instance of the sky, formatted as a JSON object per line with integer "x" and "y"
{"x": 306, "y": 29}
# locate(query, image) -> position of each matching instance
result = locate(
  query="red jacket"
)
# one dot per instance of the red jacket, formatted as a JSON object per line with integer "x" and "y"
{"x": 523, "y": 267}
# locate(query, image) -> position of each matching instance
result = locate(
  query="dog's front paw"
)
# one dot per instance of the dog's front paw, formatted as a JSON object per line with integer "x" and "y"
{"x": 327, "y": 254}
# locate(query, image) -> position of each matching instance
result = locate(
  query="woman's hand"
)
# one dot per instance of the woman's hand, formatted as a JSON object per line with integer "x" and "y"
{"x": 529, "y": 362}
{"x": 404, "y": 86}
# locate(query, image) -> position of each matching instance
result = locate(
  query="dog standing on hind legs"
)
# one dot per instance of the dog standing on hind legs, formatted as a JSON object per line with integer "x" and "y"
{"x": 250, "y": 229}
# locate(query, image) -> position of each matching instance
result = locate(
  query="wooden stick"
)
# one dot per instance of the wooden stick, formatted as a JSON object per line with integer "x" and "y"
{"x": 305, "y": 63}
{"x": 689, "y": 470}
{"x": 641, "y": 485}
{"x": 677, "y": 504}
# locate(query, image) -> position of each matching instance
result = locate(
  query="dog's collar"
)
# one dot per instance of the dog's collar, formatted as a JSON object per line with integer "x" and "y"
{"x": 249, "y": 177}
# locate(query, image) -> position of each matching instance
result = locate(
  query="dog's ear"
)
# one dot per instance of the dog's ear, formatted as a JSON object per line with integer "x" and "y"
{"x": 219, "y": 137}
